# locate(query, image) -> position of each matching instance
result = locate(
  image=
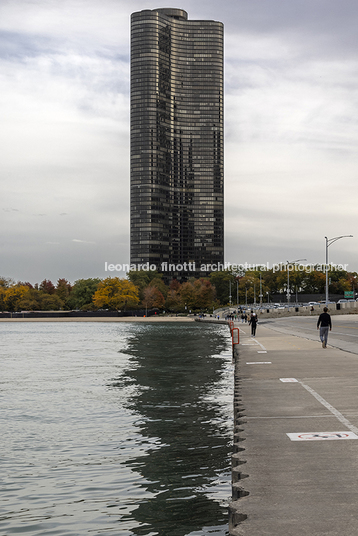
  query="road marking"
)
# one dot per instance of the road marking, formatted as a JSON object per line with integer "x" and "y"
{"x": 261, "y": 345}
{"x": 262, "y": 351}
{"x": 330, "y": 408}
{"x": 291, "y": 417}
{"x": 258, "y": 363}
{"x": 321, "y": 436}
{"x": 288, "y": 380}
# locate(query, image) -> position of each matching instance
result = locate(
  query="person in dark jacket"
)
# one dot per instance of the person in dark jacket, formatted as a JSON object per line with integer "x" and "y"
{"x": 324, "y": 324}
{"x": 253, "y": 322}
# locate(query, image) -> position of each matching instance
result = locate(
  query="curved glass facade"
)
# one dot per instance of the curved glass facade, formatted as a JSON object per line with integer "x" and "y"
{"x": 176, "y": 142}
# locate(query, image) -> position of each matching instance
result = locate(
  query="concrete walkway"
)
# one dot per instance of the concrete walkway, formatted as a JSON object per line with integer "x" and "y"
{"x": 306, "y": 484}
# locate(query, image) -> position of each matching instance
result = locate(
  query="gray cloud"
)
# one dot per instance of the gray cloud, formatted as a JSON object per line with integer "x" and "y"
{"x": 291, "y": 132}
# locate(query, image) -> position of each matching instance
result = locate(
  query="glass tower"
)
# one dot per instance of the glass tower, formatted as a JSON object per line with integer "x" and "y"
{"x": 177, "y": 208}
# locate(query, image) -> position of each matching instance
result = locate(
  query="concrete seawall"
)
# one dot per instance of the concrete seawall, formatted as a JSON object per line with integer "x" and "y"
{"x": 344, "y": 309}
{"x": 237, "y": 465}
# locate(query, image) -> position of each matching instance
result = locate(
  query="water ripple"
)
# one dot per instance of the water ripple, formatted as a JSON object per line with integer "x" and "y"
{"x": 110, "y": 429}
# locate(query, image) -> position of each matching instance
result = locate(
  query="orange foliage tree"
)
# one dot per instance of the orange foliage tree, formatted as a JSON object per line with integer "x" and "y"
{"x": 115, "y": 293}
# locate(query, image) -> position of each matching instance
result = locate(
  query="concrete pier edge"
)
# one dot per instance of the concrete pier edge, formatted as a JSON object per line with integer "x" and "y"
{"x": 236, "y": 517}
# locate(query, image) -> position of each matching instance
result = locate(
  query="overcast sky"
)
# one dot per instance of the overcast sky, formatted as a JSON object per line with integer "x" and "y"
{"x": 291, "y": 131}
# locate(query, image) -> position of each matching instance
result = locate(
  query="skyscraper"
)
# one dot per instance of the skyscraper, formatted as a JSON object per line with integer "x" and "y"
{"x": 177, "y": 211}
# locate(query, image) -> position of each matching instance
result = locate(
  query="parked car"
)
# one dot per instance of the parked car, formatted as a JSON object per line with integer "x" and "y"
{"x": 342, "y": 301}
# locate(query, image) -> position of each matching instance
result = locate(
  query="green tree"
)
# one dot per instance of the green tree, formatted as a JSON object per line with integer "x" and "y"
{"x": 63, "y": 291}
{"x": 221, "y": 281}
{"x": 82, "y": 293}
{"x": 158, "y": 283}
{"x": 51, "y": 302}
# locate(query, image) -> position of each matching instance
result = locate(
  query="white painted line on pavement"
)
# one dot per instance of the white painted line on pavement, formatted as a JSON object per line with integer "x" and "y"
{"x": 288, "y": 380}
{"x": 258, "y": 363}
{"x": 293, "y": 417}
{"x": 333, "y": 410}
{"x": 261, "y": 345}
{"x": 261, "y": 351}
{"x": 322, "y": 436}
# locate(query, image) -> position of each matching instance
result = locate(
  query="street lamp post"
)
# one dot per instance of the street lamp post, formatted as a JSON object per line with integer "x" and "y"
{"x": 330, "y": 241}
{"x": 288, "y": 279}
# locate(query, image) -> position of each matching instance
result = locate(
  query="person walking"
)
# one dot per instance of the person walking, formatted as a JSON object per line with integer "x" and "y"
{"x": 253, "y": 322}
{"x": 324, "y": 323}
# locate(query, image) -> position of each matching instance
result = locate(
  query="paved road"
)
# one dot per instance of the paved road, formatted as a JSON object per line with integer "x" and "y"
{"x": 344, "y": 334}
{"x": 295, "y": 466}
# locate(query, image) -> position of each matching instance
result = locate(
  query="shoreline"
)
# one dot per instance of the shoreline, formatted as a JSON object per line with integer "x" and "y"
{"x": 104, "y": 319}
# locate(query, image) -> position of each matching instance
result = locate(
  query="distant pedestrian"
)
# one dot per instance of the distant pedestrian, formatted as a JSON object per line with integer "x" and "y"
{"x": 253, "y": 322}
{"x": 324, "y": 324}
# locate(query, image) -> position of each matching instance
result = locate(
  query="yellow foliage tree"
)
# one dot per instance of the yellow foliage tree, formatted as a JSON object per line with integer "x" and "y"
{"x": 13, "y": 295}
{"x": 115, "y": 293}
{"x": 2, "y": 298}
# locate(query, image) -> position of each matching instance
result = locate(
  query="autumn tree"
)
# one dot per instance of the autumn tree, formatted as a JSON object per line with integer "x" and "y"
{"x": 47, "y": 286}
{"x": 26, "y": 284}
{"x": 115, "y": 293}
{"x": 30, "y": 301}
{"x": 6, "y": 282}
{"x": 143, "y": 278}
{"x": 173, "y": 300}
{"x": 153, "y": 298}
{"x": 13, "y": 295}
{"x": 38, "y": 300}
{"x": 2, "y": 298}
{"x": 314, "y": 282}
{"x": 197, "y": 294}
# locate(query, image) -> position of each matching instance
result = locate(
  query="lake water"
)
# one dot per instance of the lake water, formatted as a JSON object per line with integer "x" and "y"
{"x": 115, "y": 428}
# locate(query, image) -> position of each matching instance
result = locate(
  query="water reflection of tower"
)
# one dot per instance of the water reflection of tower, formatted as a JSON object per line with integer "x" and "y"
{"x": 186, "y": 438}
